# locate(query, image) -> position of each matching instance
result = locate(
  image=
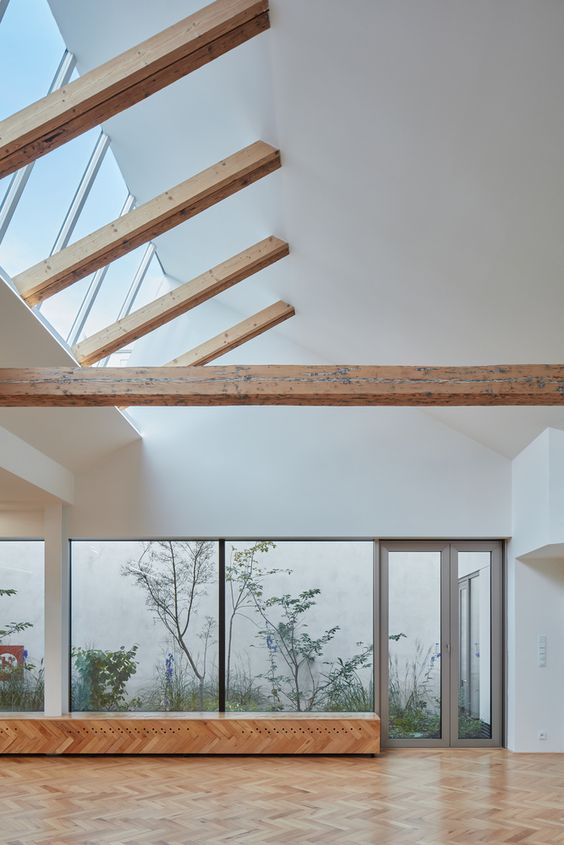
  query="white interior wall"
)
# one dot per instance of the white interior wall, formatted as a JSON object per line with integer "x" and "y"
{"x": 536, "y": 694}
{"x": 535, "y": 596}
{"x": 294, "y": 472}
{"x": 20, "y": 521}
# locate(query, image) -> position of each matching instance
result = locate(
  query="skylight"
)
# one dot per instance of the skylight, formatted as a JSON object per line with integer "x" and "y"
{"x": 66, "y": 194}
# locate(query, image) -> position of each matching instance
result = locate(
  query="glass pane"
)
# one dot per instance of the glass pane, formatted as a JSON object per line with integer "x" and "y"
{"x": 144, "y": 630}
{"x": 61, "y": 309}
{"x": 474, "y": 704}
{"x": 299, "y": 626}
{"x": 414, "y": 623}
{"x": 155, "y": 284}
{"x": 105, "y": 200}
{"x": 113, "y": 291}
{"x": 31, "y": 48}
{"x": 21, "y": 625}
{"x": 464, "y": 669}
{"x": 44, "y": 204}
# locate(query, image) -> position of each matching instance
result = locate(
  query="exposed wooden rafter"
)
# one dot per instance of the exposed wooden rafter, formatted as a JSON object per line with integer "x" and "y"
{"x": 127, "y": 79}
{"x": 235, "y": 336}
{"x": 178, "y": 301}
{"x": 148, "y": 220}
{"x": 539, "y": 384}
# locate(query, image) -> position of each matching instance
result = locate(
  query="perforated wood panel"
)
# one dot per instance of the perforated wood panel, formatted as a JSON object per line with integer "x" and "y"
{"x": 174, "y": 734}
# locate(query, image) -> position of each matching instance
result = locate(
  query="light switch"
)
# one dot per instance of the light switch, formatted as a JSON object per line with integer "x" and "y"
{"x": 541, "y": 650}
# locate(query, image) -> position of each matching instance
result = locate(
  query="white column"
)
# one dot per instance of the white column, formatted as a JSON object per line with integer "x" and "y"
{"x": 57, "y": 607}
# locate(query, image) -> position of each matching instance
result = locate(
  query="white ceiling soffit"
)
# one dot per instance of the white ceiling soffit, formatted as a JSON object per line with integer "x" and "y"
{"x": 74, "y": 437}
{"x": 28, "y": 464}
{"x": 422, "y": 188}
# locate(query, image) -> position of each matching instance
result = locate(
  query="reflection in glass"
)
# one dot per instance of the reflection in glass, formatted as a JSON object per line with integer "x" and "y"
{"x": 414, "y": 625}
{"x": 144, "y": 631}
{"x": 21, "y": 625}
{"x": 474, "y": 705}
{"x": 299, "y": 626}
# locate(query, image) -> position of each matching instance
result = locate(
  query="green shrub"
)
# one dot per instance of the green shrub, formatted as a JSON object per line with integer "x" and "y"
{"x": 101, "y": 677}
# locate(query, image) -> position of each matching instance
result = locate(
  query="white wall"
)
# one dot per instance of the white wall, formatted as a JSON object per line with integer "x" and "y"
{"x": 535, "y": 596}
{"x": 536, "y": 695}
{"x": 252, "y": 472}
{"x": 530, "y": 499}
{"x": 17, "y": 520}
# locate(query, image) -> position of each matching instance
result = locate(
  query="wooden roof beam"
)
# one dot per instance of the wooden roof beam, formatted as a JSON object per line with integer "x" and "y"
{"x": 178, "y": 301}
{"x": 537, "y": 384}
{"x": 230, "y": 339}
{"x": 154, "y": 217}
{"x": 128, "y": 78}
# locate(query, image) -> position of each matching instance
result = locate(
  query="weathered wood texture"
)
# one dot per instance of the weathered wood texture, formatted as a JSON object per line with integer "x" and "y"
{"x": 538, "y": 384}
{"x": 148, "y": 220}
{"x": 127, "y": 79}
{"x": 178, "y": 301}
{"x": 235, "y": 336}
{"x": 205, "y": 733}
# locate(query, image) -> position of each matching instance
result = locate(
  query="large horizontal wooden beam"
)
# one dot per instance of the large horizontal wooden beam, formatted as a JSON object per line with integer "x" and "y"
{"x": 540, "y": 384}
{"x": 148, "y": 220}
{"x": 178, "y": 301}
{"x": 235, "y": 336}
{"x": 127, "y": 79}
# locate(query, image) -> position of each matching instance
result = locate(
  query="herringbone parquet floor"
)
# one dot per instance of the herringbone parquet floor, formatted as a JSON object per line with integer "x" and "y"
{"x": 405, "y": 797}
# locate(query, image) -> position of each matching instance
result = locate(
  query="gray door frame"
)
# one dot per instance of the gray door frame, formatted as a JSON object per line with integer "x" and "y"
{"x": 449, "y": 607}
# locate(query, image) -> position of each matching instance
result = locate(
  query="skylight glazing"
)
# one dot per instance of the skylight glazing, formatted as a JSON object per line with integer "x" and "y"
{"x": 67, "y": 194}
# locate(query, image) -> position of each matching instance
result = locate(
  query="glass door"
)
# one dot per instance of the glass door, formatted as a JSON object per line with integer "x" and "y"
{"x": 476, "y": 638}
{"x": 440, "y": 643}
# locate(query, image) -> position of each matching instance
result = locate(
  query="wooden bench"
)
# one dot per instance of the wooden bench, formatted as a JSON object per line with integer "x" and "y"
{"x": 193, "y": 733}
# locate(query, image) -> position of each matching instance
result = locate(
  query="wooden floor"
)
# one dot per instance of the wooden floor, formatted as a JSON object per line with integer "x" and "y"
{"x": 417, "y": 797}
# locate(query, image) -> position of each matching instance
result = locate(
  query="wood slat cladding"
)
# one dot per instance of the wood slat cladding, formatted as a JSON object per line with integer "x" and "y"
{"x": 181, "y": 299}
{"x": 213, "y": 733}
{"x": 147, "y": 221}
{"x": 128, "y": 78}
{"x": 536, "y": 384}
